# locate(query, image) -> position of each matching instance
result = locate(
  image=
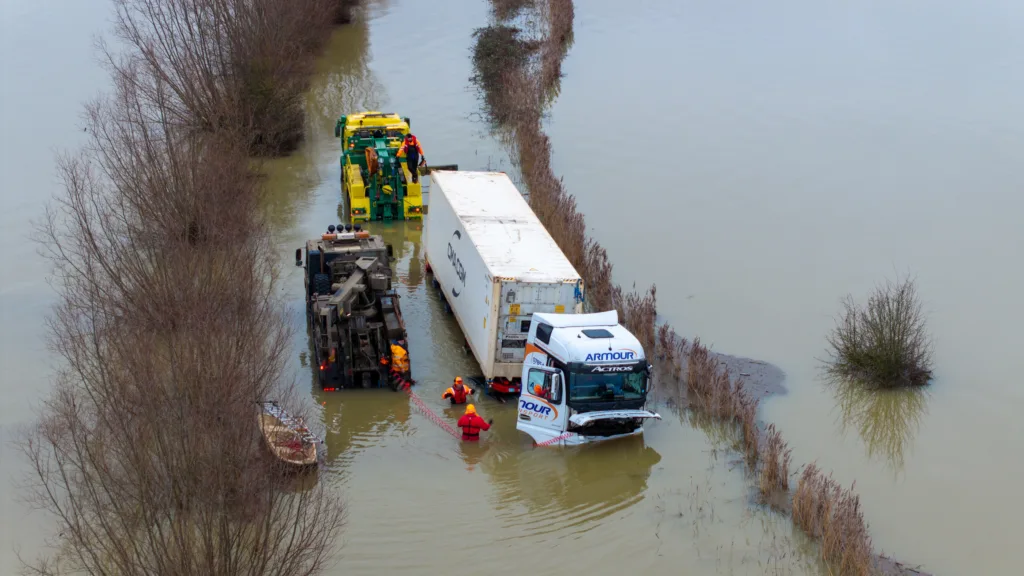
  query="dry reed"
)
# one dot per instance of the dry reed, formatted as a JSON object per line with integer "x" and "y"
{"x": 830, "y": 513}
{"x": 775, "y": 470}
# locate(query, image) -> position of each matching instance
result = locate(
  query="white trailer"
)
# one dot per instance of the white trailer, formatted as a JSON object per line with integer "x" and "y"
{"x": 496, "y": 265}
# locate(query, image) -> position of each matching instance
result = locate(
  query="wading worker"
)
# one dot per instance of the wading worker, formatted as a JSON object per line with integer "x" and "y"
{"x": 472, "y": 424}
{"x": 458, "y": 392}
{"x": 414, "y": 155}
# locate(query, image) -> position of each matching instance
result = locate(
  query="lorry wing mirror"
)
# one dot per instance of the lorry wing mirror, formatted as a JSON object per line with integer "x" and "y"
{"x": 298, "y": 256}
{"x": 556, "y": 387}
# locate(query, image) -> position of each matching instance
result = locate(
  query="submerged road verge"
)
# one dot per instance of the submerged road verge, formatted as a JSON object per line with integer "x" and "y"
{"x": 517, "y": 60}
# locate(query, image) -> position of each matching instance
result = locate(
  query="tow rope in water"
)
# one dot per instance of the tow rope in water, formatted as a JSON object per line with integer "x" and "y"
{"x": 433, "y": 417}
{"x": 407, "y": 386}
{"x": 430, "y": 414}
{"x": 556, "y": 439}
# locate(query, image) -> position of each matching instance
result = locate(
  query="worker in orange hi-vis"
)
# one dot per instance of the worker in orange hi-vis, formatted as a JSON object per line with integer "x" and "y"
{"x": 414, "y": 155}
{"x": 457, "y": 392}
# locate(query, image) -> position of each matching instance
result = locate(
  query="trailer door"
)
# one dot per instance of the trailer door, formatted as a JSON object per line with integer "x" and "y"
{"x": 514, "y": 312}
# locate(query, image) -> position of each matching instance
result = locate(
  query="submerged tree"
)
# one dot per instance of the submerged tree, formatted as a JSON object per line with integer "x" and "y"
{"x": 148, "y": 454}
{"x": 883, "y": 344}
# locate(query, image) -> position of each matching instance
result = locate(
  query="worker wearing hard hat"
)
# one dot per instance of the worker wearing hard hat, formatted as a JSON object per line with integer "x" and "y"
{"x": 414, "y": 155}
{"x": 472, "y": 424}
{"x": 457, "y": 392}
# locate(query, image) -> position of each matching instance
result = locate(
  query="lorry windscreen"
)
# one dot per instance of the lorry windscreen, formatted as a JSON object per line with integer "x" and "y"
{"x": 599, "y": 387}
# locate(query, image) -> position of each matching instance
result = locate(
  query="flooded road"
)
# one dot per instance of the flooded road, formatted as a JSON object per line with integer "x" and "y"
{"x": 418, "y": 500}
{"x": 808, "y": 152}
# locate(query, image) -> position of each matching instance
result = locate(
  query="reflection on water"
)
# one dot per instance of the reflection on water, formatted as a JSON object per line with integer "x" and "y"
{"x": 344, "y": 82}
{"x": 568, "y": 488}
{"x": 886, "y": 420}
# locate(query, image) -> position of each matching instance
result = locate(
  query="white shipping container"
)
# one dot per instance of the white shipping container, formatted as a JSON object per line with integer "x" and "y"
{"x": 496, "y": 265}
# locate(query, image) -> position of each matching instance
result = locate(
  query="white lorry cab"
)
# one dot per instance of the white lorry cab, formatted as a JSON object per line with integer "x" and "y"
{"x": 584, "y": 380}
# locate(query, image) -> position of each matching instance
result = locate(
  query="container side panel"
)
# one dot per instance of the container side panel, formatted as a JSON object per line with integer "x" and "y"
{"x": 462, "y": 276}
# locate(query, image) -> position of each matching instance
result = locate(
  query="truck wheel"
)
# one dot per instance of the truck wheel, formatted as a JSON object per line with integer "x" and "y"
{"x": 322, "y": 283}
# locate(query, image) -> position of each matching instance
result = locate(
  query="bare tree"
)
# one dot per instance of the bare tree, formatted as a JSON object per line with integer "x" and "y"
{"x": 235, "y": 65}
{"x": 148, "y": 453}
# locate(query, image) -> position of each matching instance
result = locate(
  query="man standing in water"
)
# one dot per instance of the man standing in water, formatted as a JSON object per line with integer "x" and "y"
{"x": 472, "y": 424}
{"x": 414, "y": 155}
{"x": 458, "y": 392}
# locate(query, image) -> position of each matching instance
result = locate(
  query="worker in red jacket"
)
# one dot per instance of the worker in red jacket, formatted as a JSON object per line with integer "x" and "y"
{"x": 472, "y": 424}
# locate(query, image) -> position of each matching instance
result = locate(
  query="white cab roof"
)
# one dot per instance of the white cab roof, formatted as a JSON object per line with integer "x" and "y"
{"x": 570, "y": 344}
{"x": 508, "y": 235}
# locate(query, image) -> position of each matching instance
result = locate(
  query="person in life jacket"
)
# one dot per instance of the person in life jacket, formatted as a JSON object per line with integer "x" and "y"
{"x": 400, "y": 358}
{"x": 414, "y": 155}
{"x": 458, "y": 392}
{"x": 472, "y": 424}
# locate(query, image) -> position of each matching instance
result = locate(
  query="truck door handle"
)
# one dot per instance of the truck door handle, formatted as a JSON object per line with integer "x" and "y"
{"x": 524, "y": 417}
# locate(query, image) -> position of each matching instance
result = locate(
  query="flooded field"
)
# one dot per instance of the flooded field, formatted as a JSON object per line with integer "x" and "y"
{"x": 783, "y": 177}
{"x": 804, "y": 151}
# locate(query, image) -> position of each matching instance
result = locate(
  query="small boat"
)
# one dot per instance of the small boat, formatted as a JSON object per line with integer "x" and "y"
{"x": 288, "y": 438}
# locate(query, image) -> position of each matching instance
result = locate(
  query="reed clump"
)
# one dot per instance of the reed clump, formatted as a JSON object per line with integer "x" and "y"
{"x": 775, "y": 471}
{"x": 832, "y": 514}
{"x": 884, "y": 343}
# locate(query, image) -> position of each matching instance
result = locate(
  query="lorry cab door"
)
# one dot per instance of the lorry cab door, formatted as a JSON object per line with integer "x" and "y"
{"x": 544, "y": 412}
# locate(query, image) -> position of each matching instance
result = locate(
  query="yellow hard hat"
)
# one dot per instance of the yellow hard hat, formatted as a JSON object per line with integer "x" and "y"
{"x": 458, "y": 379}
{"x": 470, "y": 409}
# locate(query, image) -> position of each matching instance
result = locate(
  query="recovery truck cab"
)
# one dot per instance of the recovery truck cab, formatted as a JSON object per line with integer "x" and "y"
{"x": 584, "y": 380}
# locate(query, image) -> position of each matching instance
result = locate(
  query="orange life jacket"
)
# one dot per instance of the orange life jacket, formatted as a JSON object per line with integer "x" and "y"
{"x": 414, "y": 144}
{"x": 458, "y": 396}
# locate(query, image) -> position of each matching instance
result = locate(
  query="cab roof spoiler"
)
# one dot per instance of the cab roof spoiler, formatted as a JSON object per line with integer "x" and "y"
{"x": 608, "y": 318}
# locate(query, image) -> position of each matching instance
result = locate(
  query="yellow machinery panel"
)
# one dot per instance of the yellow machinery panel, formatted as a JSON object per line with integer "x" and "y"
{"x": 413, "y": 195}
{"x": 358, "y": 203}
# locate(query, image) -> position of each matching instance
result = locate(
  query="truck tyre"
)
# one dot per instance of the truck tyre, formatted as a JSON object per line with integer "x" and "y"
{"x": 322, "y": 283}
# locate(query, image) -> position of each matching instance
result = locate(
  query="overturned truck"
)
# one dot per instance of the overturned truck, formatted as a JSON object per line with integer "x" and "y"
{"x": 355, "y": 321}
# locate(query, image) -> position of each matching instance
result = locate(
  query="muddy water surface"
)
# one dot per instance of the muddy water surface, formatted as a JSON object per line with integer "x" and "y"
{"x": 799, "y": 153}
{"x": 47, "y": 71}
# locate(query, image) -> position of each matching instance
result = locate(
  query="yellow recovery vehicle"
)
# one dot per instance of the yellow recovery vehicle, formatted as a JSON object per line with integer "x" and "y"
{"x": 375, "y": 182}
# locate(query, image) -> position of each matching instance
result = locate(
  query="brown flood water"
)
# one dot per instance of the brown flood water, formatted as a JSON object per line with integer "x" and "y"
{"x": 809, "y": 152}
